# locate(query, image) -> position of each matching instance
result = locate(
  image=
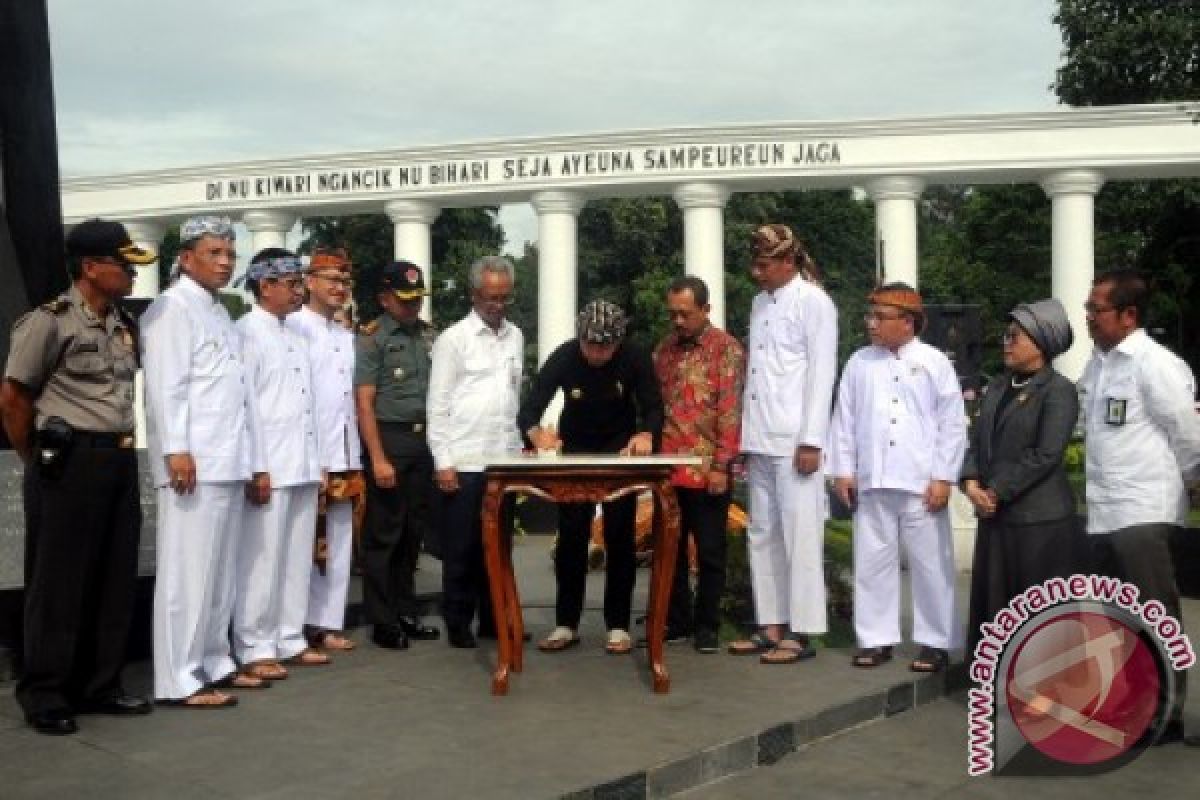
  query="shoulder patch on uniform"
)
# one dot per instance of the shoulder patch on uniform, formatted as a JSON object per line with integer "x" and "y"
{"x": 369, "y": 328}
{"x": 56, "y": 306}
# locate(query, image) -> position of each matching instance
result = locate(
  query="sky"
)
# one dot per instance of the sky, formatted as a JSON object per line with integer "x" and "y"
{"x": 146, "y": 84}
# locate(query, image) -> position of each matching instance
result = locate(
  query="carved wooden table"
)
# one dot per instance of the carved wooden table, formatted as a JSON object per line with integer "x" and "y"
{"x": 578, "y": 479}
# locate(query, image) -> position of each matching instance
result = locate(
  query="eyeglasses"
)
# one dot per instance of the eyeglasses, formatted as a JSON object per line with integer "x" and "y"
{"x": 877, "y": 316}
{"x": 1093, "y": 309}
{"x": 334, "y": 277}
{"x": 291, "y": 283}
{"x": 503, "y": 300}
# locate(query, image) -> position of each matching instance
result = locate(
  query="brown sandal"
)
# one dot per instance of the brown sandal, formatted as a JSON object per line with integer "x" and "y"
{"x": 930, "y": 659}
{"x": 241, "y": 680}
{"x": 868, "y": 657}
{"x": 331, "y": 640}
{"x": 268, "y": 670}
{"x": 309, "y": 657}
{"x": 203, "y": 700}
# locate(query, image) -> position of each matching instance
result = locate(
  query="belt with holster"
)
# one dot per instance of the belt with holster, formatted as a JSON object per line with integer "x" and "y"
{"x": 121, "y": 441}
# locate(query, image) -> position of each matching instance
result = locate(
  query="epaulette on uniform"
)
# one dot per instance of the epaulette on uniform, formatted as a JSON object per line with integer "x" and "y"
{"x": 369, "y": 328}
{"x": 56, "y": 306}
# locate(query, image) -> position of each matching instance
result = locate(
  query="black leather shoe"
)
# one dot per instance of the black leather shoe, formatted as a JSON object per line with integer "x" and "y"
{"x": 415, "y": 630}
{"x": 706, "y": 641}
{"x": 671, "y": 636}
{"x": 57, "y": 722}
{"x": 1173, "y": 734}
{"x": 460, "y": 637}
{"x": 389, "y": 637}
{"x": 121, "y": 705}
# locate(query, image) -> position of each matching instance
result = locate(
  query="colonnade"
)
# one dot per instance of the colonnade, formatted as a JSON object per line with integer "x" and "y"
{"x": 896, "y": 197}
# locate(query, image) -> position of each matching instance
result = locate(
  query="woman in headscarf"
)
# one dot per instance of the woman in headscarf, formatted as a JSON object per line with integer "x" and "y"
{"x": 1013, "y": 473}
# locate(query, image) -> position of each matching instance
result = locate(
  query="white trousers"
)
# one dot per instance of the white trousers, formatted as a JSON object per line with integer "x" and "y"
{"x": 327, "y": 593}
{"x": 274, "y": 558}
{"x": 193, "y": 591}
{"x": 883, "y": 520}
{"x": 786, "y": 539}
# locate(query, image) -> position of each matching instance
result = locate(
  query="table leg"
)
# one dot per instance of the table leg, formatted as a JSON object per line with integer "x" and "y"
{"x": 499, "y": 572}
{"x": 662, "y": 571}
{"x": 516, "y": 624}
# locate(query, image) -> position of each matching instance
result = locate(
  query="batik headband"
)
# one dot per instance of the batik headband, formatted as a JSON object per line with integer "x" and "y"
{"x": 279, "y": 267}
{"x": 194, "y": 228}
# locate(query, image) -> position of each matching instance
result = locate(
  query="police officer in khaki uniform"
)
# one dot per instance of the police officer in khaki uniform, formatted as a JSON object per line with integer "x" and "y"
{"x": 391, "y": 379}
{"x": 67, "y": 402}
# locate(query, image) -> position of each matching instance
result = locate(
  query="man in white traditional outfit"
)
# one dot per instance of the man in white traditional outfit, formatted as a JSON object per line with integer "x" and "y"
{"x": 331, "y": 356}
{"x": 274, "y": 552}
{"x": 895, "y": 448}
{"x": 791, "y": 367}
{"x": 200, "y": 416}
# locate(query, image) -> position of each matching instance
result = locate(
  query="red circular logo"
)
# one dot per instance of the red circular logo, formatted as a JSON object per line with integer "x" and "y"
{"x": 1083, "y": 688}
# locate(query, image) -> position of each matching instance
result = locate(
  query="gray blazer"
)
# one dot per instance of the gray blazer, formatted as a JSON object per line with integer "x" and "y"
{"x": 1018, "y": 453}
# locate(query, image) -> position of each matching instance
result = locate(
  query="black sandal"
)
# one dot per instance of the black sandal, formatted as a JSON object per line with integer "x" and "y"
{"x": 930, "y": 659}
{"x": 754, "y": 645}
{"x": 872, "y": 656}
{"x": 801, "y": 652}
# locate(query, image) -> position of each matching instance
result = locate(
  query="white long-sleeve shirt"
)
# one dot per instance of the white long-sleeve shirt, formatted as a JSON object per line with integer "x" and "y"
{"x": 474, "y": 387}
{"x": 331, "y": 357}
{"x": 791, "y": 364}
{"x": 197, "y": 396}
{"x": 1142, "y": 434}
{"x": 277, "y": 366}
{"x": 900, "y": 421}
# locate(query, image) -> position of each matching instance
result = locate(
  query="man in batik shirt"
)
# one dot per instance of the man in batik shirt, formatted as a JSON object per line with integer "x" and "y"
{"x": 700, "y": 370}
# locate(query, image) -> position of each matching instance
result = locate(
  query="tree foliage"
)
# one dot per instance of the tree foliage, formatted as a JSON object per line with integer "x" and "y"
{"x": 987, "y": 246}
{"x": 1142, "y": 51}
{"x": 1128, "y": 51}
{"x": 459, "y": 237}
{"x": 631, "y": 248}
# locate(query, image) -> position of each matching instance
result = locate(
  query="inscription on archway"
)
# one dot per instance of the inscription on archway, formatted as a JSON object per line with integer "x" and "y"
{"x": 685, "y": 160}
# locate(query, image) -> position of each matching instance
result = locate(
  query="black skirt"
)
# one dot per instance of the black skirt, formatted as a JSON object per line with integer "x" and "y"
{"x": 1011, "y": 558}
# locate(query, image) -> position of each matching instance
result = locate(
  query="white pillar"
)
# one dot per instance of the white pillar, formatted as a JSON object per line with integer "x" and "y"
{"x": 703, "y": 206}
{"x": 413, "y": 239}
{"x": 558, "y": 264}
{"x": 267, "y": 229}
{"x": 1072, "y": 198}
{"x": 147, "y": 234}
{"x": 558, "y": 267}
{"x": 895, "y": 199}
